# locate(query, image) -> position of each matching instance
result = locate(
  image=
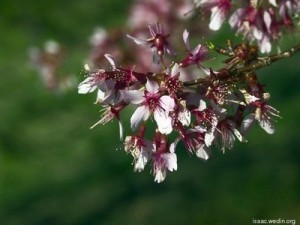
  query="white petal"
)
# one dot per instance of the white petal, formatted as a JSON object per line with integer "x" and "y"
{"x": 110, "y": 60}
{"x": 201, "y": 2}
{"x": 267, "y": 126}
{"x": 152, "y": 86}
{"x": 196, "y": 49}
{"x": 267, "y": 19}
{"x": 173, "y": 145}
{"x": 175, "y": 70}
{"x": 257, "y": 33}
{"x": 202, "y": 105}
{"x": 167, "y": 103}
{"x": 139, "y": 164}
{"x": 250, "y": 98}
{"x": 273, "y": 2}
{"x": 239, "y": 136}
{"x": 199, "y": 128}
{"x": 214, "y": 122}
{"x": 107, "y": 94}
{"x": 112, "y": 97}
{"x": 202, "y": 152}
{"x": 141, "y": 160}
{"x": 100, "y": 96}
{"x": 217, "y": 18}
{"x": 137, "y": 40}
{"x": 234, "y": 20}
{"x": 164, "y": 121}
{"x": 209, "y": 138}
{"x": 185, "y": 117}
{"x": 121, "y": 130}
{"x": 133, "y": 96}
{"x": 247, "y": 123}
{"x": 141, "y": 114}
{"x": 185, "y": 36}
{"x": 206, "y": 71}
{"x": 265, "y": 45}
{"x": 87, "y": 86}
{"x": 171, "y": 161}
{"x": 160, "y": 176}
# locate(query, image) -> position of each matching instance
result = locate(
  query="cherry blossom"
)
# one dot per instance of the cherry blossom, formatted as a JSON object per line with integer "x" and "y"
{"x": 151, "y": 101}
{"x": 158, "y": 42}
{"x": 196, "y": 56}
{"x": 140, "y": 149}
{"x": 164, "y": 158}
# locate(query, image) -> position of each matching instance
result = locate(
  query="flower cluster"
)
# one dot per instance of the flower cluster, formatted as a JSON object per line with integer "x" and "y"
{"x": 215, "y": 109}
{"x": 257, "y": 20}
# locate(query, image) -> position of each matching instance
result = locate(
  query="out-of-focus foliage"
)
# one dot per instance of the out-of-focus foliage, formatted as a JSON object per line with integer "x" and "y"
{"x": 54, "y": 170}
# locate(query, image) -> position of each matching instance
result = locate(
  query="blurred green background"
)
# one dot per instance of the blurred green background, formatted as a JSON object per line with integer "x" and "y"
{"x": 54, "y": 170}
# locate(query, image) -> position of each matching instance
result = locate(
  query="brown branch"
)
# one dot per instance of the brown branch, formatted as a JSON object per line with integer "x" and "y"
{"x": 260, "y": 63}
{"x": 265, "y": 61}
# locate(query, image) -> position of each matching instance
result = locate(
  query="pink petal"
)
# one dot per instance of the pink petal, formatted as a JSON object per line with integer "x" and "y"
{"x": 233, "y": 20}
{"x": 217, "y": 18}
{"x": 167, "y": 103}
{"x": 267, "y": 19}
{"x": 236, "y": 18}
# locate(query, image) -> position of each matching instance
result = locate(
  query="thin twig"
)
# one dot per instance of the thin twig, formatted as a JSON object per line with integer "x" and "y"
{"x": 260, "y": 63}
{"x": 265, "y": 61}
